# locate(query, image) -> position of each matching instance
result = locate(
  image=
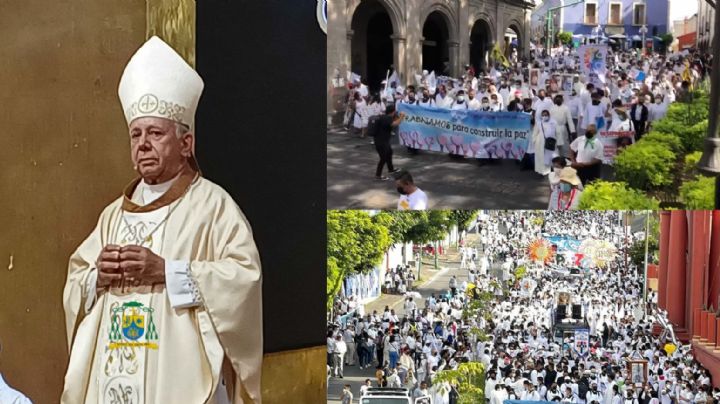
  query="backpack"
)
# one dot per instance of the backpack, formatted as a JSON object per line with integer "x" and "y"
{"x": 372, "y": 127}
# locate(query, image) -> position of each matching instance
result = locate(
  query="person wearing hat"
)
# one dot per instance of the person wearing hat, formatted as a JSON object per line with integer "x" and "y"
{"x": 163, "y": 300}
{"x": 569, "y": 193}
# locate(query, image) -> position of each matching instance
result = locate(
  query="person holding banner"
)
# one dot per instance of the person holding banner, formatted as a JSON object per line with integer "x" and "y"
{"x": 381, "y": 131}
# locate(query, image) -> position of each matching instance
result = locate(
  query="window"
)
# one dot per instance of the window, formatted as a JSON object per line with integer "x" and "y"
{"x": 615, "y": 16}
{"x": 591, "y": 14}
{"x": 638, "y": 14}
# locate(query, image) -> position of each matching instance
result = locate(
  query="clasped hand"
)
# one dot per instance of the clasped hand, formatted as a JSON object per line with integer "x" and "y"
{"x": 137, "y": 264}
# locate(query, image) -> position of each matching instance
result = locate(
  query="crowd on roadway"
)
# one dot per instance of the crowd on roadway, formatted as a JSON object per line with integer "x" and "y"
{"x": 567, "y": 110}
{"x": 528, "y": 352}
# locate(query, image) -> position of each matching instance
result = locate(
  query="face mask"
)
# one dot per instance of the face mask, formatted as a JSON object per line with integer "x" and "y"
{"x": 596, "y": 102}
{"x": 401, "y": 191}
{"x": 485, "y": 104}
{"x": 461, "y": 98}
{"x": 558, "y": 103}
{"x": 545, "y": 118}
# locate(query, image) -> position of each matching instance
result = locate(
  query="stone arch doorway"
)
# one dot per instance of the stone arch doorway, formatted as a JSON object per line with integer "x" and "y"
{"x": 513, "y": 41}
{"x": 481, "y": 39}
{"x": 436, "y": 49}
{"x": 372, "y": 43}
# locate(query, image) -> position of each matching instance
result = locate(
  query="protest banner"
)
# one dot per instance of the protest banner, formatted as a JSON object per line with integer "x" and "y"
{"x": 473, "y": 134}
{"x": 613, "y": 141}
{"x": 581, "y": 343}
{"x": 593, "y": 63}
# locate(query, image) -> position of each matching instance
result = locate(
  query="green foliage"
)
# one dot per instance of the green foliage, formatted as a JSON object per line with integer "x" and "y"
{"x": 462, "y": 218}
{"x": 565, "y": 37}
{"x": 667, "y": 39}
{"x": 699, "y": 194}
{"x": 645, "y": 165}
{"x": 397, "y": 223}
{"x": 672, "y": 142}
{"x": 637, "y": 250}
{"x": 520, "y": 272}
{"x": 429, "y": 226}
{"x": 356, "y": 243}
{"x": 468, "y": 379}
{"x": 691, "y": 162}
{"x": 688, "y": 121}
{"x": 604, "y": 195}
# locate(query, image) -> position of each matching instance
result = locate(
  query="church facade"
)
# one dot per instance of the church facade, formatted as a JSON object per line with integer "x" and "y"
{"x": 367, "y": 37}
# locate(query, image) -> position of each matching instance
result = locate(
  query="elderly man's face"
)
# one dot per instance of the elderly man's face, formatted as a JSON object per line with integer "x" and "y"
{"x": 156, "y": 151}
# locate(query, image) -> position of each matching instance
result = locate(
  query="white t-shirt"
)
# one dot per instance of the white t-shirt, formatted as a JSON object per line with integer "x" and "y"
{"x": 416, "y": 201}
{"x": 587, "y": 151}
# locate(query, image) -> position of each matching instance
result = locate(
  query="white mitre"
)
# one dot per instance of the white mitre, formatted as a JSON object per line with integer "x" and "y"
{"x": 158, "y": 82}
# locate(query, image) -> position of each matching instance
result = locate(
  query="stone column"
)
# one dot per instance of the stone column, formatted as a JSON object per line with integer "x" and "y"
{"x": 697, "y": 254}
{"x": 454, "y": 53}
{"x": 338, "y": 39}
{"x": 676, "y": 282}
{"x": 463, "y": 33}
{"x": 399, "y": 53}
{"x": 414, "y": 59}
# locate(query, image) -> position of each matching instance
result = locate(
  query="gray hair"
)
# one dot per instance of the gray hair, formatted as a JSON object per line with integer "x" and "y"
{"x": 181, "y": 129}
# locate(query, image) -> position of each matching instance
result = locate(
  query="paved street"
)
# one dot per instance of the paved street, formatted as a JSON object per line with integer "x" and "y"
{"x": 437, "y": 283}
{"x": 450, "y": 183}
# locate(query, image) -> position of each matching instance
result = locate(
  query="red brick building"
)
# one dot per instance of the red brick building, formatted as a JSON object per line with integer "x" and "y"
{"x": 689, "y": 281}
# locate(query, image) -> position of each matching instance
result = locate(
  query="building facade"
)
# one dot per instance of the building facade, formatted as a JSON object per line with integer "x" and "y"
{"x": 613, "y": 18}
{"x": 685, "y": 33}
{"x": 706, "y": 22}
{"x": 367, "y": 37}
{"x": 689, "y": 281}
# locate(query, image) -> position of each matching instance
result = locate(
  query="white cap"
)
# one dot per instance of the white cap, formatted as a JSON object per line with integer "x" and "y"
{"x": 158, "y": 82}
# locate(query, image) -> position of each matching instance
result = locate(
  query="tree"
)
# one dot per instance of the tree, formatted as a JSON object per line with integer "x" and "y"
{"x": 462, "y": 218}
{"x": 356, "y": 243}
{"x": 667, "y": 40}
{"x": 398, "y": 224}
{"x": 565, "y": 37}
{"x": 428, "y": 226}
{"x": 468, "y": 379}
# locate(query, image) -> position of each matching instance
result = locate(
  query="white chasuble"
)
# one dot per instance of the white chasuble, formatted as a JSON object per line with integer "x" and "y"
{"x": 136, "y": 343}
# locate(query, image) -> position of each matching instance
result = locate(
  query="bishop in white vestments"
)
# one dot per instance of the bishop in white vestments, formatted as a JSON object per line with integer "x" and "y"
{"x": 163, "y": 299}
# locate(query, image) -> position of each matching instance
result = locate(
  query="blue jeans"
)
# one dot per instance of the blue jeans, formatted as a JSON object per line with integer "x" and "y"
{"x": 393, "y": 359}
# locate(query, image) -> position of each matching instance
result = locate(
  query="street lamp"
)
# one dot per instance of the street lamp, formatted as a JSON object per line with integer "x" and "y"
{"x": 643, "y": 31}
{"x": 709, "y": 163}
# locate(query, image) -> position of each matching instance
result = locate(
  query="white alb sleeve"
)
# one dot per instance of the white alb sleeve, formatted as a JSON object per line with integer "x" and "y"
{"x": 181, "y": 287}
{"x": 90, "y": 289}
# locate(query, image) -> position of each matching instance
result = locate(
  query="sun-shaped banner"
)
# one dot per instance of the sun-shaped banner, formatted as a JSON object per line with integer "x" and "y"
{"x": 541, "y": 250}
{"x": 597, "y": 253}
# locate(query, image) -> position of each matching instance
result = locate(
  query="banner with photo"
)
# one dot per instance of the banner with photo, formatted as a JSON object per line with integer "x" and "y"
{"x": 593, "y": 63}
{"x": 581, "y": 344}
{"x": 613, "y": 142}
{"x": 473, "y": 134}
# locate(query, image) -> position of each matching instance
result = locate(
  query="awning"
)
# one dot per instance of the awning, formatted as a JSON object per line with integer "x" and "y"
{"x": 618, "y": 36}
{"x": 578, "y": 36}
{"x": 637, "y": 38}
